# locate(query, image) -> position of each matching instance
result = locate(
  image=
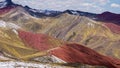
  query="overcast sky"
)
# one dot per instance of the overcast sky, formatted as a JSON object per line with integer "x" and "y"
{"x": 95, "y": 6}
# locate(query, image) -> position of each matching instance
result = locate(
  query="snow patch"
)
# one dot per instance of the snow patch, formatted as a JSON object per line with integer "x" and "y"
{"x": 57, "y": 60}
{"x": 12, "y": 25}
{"x": 90, "y": 24}
{"x": 8, "y": 25}
{"x": 15, "y": 31}
{"x": 75, "y": 13}
{"x": 2, "y": 23}
{"x": 3, "y": 4}
{"x": 12, "y": 64}
{"x": 3, "y": 58}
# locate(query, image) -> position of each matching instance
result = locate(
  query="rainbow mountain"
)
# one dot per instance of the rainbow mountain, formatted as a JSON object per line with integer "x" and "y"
{"x": 69, "y": 37}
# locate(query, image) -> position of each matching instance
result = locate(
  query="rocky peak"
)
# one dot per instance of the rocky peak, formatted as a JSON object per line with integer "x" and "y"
{"x": 9, "y": 2}
{"x": 6, "y": 3}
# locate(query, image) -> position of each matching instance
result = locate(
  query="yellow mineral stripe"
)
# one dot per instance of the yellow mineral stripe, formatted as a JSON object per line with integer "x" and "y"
{"x": 38, "y": 54}
{"x": 12, "y": 51}
{"x": 15, "y": 45}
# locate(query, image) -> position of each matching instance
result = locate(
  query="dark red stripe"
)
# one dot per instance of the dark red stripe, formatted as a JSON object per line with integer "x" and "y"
{"x": 75, "y": 53}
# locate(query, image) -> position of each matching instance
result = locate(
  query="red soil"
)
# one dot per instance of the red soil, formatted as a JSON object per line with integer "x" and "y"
{"x": 6, "y": 9}
{"x": 113, "y": 27}
{"x": 71, "y": 53}
{"x": 75, "y": 53}
{"x": 37, "y": 41}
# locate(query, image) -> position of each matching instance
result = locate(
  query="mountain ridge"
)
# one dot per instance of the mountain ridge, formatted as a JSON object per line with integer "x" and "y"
{"x": 75, "y": 12}
{"x": 50, "y": 31}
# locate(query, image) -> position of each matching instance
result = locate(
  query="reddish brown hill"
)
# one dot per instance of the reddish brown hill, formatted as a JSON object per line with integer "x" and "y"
{"x": 75, "y": 53}
{"x": 109, "y": 17}
{"x": 39, "y": 41}
{"x": 6, "y": 9}
{"x": 113, "y": 27}
{"x": 70, "y": 53}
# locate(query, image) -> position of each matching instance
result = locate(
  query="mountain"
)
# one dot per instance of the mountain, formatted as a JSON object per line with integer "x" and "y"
{"x": 33, "y": 31}
{"x": 52, "y": 13}
{"x": 111, "y": 20}
{"x": 21, "y": 46}
{"x": 46, "y": 13}
{"x": 67, "y": 51}
{"x": 81, "y": 13}
{"x": 105, "y": 16}
{"x": 6, "y": 3}
{"x": 113, "y": 27}
{"x": 42, "y": 13}
{"x": 109, "y": 17}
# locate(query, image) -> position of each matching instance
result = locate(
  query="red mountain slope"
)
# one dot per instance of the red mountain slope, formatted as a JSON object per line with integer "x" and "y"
{"x": 39, "y": 41}
{"x": 113, "y": 27}
{"x": 75, "y": 53}
{"x": 68, "y": 52}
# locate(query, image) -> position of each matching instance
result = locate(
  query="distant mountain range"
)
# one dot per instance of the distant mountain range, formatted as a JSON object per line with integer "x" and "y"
{"x": 105, "y": 16}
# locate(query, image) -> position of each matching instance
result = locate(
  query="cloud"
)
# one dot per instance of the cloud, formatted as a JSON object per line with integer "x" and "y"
{"x": 102, "y": 2}
{"x": 82, "y": 5}
{"x": 94, "y": 7}
{"x": 90, "y": 5}
{"x": 87, "y": 4}
{"x": 114, "y": 5}
{"x": 2, "y": 0}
